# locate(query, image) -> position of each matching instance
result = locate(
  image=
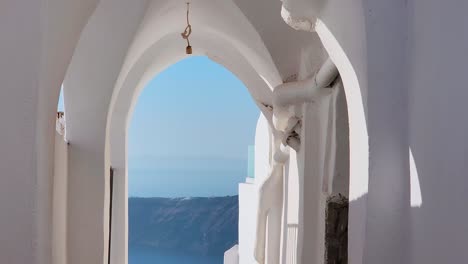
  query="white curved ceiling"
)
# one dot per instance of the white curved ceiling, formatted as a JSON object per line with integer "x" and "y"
{"x": 125, "y": 40}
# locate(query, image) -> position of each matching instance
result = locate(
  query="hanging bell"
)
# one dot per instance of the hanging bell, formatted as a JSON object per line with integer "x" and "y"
{"x": 188, "y": 49}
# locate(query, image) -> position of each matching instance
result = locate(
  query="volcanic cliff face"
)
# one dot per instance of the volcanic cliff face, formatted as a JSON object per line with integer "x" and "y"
{"x": 207, "y": 226}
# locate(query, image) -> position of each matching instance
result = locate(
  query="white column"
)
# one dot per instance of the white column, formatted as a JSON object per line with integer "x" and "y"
{"x": 313, "y": 201}
{"x": 59, "y": 214}
{"x": 119, "y": 243}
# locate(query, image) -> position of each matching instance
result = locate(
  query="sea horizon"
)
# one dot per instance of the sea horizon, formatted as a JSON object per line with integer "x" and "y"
{"x": 176, "y": 183}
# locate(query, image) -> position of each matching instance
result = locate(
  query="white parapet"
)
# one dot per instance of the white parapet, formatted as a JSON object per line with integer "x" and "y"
{"x": 248, "y": 199}
{"x": 59, "y": 201}
{"x": 231, "y": 256}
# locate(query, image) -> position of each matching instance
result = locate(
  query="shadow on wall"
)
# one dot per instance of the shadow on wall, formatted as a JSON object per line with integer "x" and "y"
{"x": 438, "y": 157}
{"x": 438, "y": 218}
{"x": 420, "y": 212}
{"x": 418, "y": 220}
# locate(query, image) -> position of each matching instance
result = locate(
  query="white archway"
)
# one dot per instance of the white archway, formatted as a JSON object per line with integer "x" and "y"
{"x": 227, "y": 38}
{"x": 118, "y": 145}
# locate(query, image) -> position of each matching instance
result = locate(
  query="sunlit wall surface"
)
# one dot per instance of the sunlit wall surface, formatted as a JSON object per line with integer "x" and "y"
{"x": 251, "y": 161}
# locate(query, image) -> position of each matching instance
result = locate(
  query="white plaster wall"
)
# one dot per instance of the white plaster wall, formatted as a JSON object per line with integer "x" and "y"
{"x": 88, "y": 89}
{"x": 438, "y": 128}
{"x": 248, "y": 202}
{"x": 248, "y": 193}
{"x": 388, "y": 197}
{"x": 262, "y": 149}
{"x": 37, "y": 44}
{"x": 19, "y": 71}
{"x": 59, "y": 213}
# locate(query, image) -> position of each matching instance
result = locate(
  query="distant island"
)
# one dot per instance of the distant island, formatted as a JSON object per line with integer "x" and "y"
{"x": 199, "y": 226}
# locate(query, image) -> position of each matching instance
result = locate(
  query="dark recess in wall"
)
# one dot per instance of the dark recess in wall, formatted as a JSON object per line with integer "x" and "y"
{"x": 336, "y": 230}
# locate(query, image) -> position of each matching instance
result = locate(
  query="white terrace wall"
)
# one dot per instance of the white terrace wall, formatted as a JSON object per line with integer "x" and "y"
{"x": 248, "y": 203}
{"x": 248, "y": 193}
{"x": 59, "y": 205}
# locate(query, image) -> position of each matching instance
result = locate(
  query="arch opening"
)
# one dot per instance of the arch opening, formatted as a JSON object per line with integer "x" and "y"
{"x": 188, "y": 137}
{"x": 191, "y": 110}
{"x": 120, "y": 116}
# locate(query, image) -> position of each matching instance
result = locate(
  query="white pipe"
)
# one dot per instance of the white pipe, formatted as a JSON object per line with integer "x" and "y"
{"x": 294, "y": 143}
{"x": 270, "y": 205}
{"x": 292, "y": 130}
{"x": 270, "y": 192}
{"x": 292, "y": 93}
{"x": 330, "y": 155}
{"x": 302, "y": 91}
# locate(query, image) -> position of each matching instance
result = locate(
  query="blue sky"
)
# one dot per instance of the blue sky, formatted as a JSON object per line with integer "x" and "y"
{"x": 190, "y": 132}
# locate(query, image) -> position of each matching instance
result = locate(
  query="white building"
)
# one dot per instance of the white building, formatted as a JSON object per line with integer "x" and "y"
{"x": 386, "y": 127}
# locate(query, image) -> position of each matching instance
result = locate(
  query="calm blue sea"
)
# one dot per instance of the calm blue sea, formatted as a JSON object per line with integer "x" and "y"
{"x": 138, "y": 255}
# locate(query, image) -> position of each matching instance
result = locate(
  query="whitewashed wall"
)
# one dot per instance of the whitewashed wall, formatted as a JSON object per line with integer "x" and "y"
{"x": 262, "y": 149}
{"x": 38, "y": 40}
{"x": 248, "y": 202}
{"x": 248, "y": 193}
